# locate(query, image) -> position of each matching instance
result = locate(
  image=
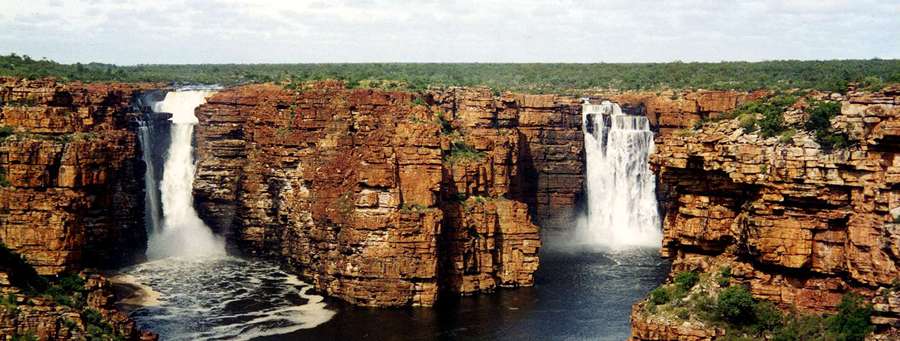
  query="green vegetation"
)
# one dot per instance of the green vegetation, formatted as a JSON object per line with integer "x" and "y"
{"x": 418, "y": 101}
{"x": 21, "y": 274}
{"x": 766, "y": 115}
{"x": 771, "y": 109}
{"x": 819, "y": 124}
{"x": 872, "y": 83}
{"x": 735, "y": 304}
{"x": 686, "y": 280}
{"x": 823, "y": 75}
{"x": 65, "y": 289}
{"x": 461, "y": 152}
{"x": 6, "y": 131}
{"x": 4, "y": 182}
{"x": 683, "y": 283}
{"x": 9, "y": 303}
{"x": 412, "y": 208}
{"x": 27, "y": 336}
{"x": 445, "y": 123}
{"x": 698, "y": 297}
{"x": 853, "y": 320}
{"x": 661, "y": 295}
{"x": 724, "y": 276}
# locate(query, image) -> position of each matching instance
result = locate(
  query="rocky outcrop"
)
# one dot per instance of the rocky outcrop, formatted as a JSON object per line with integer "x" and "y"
{"x": 798, "y": 224}
{"x": 646, "y": 327}
{"x": 45, "y": 318}
{"x": 549, "y": 156}
{"x": 71, "y": 189}
{"x": 387, "y": 198}
{"x": 347, "y": 186}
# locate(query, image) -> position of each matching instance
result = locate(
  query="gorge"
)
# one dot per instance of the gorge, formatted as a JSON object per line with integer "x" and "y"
{"x": 334, "y": 198}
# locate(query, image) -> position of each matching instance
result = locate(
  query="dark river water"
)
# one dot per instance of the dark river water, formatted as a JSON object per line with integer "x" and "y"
{"x": 579, "y": 294}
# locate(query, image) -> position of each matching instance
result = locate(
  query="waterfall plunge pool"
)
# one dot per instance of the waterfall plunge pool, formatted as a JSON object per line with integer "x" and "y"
{"x": 580, "y": 293}
{"x": 192, "y": 291}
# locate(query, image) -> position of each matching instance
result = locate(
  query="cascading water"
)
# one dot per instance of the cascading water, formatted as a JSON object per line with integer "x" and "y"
{"x": 151, "y": 199}
{"x": 621, "y": 202}
{"x": 192, "y": 290}
{"x": 182, "y": 233}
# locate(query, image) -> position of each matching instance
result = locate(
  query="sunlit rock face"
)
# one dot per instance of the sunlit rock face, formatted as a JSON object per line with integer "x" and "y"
{"x": 74, "y": 195}
{"x": 357, "y": 191}
{"x": 799, "y": 225}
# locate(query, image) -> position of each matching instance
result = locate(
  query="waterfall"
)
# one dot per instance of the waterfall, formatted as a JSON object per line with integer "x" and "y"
{"x": 183, "y": 234}
{"x": 621, "y": 201}
{"x": 151, "y": 198}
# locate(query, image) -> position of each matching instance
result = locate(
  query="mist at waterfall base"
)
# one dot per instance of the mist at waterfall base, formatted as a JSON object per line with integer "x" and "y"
{"x": 191, "y": 289}
{"x": 182, "y": 233}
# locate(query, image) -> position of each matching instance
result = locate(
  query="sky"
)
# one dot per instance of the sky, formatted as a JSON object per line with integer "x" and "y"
{"x": 245, "y": 31}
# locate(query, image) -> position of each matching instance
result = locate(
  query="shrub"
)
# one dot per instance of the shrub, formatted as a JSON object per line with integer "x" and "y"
{"x": 748, "y": 123}
{"x": 446, "y": 125}
{"x": 686, "y": 280}
{"x": 58, "y": 295}
{"x": 772, "y": 112}
{"x": 801, "y": 327}
{"x": 705, "y": 307}
{"x": 766, "y": 316}
{"x": 418, "y": 101}
{"x": 27, "y": 336}
{"x": 9, "y": 303}
{"x": 5, "y": 132}
{"x": 772, "y": 124}
{"x": 853, "y": 320}
{"x": 660, "y": 296}
{"x": 818, "y": 123}
{"x": 724, "y": 276}
{"x": 91, "y": 316}
{"x": 872, "y": 83}
{"x": 71, "y": 282}
{"x": 735, "y": 304}
{"x": 787, "y": 136}
{"x": 462, "y": 152}
{"x": 4, "y": 182}
{"x": 683, "y": 313}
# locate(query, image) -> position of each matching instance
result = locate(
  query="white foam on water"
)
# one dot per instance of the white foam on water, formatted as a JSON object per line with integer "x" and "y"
{"x": 225, "y": 298}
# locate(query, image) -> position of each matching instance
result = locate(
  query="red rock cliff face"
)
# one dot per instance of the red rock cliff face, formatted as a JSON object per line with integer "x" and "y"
{"x": 348, "y": 187}
{"x": 363, "y": 192}
{"x": 71, "y": 193}
{"x": 799, "y": 225}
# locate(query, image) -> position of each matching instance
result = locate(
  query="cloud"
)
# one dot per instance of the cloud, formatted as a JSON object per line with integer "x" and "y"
{"x": 216, "y": 31}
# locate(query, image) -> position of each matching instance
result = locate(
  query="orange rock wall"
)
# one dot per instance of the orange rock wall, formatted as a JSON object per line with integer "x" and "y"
{"x": 800, "y": 225}
{"x": 73, "y": 196}
{"x": 349, "y": 187}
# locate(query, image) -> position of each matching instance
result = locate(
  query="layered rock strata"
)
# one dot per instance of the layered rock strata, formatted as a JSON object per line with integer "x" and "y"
{"x": 72, "y": 177}
{"x": 348, "y": 187}
{"x": 797, "y": 224}
{"x": 23, "y": 315}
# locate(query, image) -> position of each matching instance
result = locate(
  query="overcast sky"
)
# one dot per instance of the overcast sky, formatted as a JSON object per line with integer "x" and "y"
{"x": 245, "y": 31}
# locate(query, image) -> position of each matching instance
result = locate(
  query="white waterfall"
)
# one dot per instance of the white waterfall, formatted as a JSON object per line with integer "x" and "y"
{"x": 621, "y": 198}
{"x": 151, "y": 199}
{"x": 183, "y": 234}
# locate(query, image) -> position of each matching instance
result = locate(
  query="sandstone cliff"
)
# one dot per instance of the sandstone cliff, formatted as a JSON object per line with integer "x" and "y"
{"x": 799, "y": 224}
{"x": 352, "y": 187}
{"x": 85, "y": 313}
{"x": 72, "y": 177}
